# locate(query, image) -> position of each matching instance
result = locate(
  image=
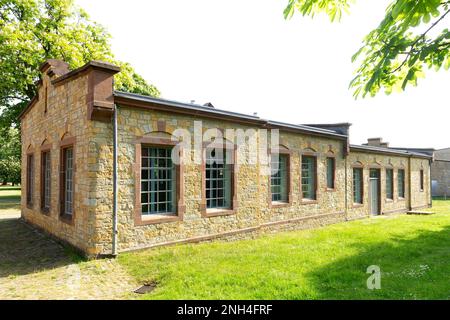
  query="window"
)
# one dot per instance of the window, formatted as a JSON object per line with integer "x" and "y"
{"x": 218, "y": 179}
{"x": 67, "y": 182}
{"x": 309, "y": 177}
{"x": 358, "y": 185}
{"x": 401, "y": 183}
{"x": 158, "y": 181}
{"x": 331, "y": 167}
{"x": 30, "y": 179}
{"x": 45, "y": 181}
{"x": 390, "y": 184}
{"x": 279, "y": 177}
{"x": 421, "y": 180}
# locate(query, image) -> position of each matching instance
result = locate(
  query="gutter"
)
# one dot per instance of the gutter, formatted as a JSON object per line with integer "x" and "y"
{"x": 115, "y": 189}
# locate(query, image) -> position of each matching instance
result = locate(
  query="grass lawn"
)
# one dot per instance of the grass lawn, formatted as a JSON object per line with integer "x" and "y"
{"x": 413, "y": 253}
{"x": 9, "y": 199}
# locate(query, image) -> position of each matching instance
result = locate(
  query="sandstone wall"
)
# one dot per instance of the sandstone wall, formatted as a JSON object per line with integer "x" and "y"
{"x": 65, "y": 118}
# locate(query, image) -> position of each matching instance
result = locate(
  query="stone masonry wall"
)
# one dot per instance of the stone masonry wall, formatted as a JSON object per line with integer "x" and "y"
{"x": 381, "y": 162}
{"x": 65, "y": 118}
{"x": 254, "y": 213}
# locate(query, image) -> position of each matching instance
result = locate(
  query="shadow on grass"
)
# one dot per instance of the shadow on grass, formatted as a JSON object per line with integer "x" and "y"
{"x": 9, "y": 206}
{"x": 8, "y": 187}
{"x": 417, "y": 268}
{"x": 24, "y": 250}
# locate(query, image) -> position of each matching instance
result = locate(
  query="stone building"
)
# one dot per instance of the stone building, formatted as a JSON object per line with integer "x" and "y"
{"x": 100, "y": 172}
{"x": 440, "y": 173}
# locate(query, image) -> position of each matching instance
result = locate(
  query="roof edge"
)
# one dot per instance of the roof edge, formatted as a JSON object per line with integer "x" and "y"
{"x": 205, "y": 111}
{"x": 102, "y": 65}
{"x": 381, "y": 150}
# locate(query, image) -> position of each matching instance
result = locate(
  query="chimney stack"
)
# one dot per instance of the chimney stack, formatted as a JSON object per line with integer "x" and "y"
{"x": 377, "y": 142}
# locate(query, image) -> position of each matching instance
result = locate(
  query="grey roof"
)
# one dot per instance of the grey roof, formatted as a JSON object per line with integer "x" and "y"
{"x": 192, "y": 107}
{"x": 208, "y": 110}
{"x": 427, "y": 151}
{"x": 390, "y": 151}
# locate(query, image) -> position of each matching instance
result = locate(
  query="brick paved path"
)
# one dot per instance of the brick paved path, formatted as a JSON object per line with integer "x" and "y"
{"x": 32, "y": 266}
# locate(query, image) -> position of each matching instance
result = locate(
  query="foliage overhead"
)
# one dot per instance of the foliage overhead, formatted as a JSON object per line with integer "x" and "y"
{"x": 410, "y": 38}
{"x": 32, "y": 31}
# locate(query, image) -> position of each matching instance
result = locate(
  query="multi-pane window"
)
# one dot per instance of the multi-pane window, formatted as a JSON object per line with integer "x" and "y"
{"x": 67, "y": 183}
{"x": 330, "y": 172}
{"x": 278, "y": 178}
{"x": 389, "y": 184}
{"x": 401, "y": 183}
{"x": 309, "y": 177}
{"x": 30, "y": 179}
{"x": 46, "y": 178}
{"x": 421, "y": 180}
{"x": 358, "y": 185}
{"x": 158, "y": 181}
{"x": 218, "y": 179}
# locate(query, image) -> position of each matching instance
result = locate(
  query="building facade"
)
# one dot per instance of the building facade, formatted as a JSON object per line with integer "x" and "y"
{"x": 109, "y": 171}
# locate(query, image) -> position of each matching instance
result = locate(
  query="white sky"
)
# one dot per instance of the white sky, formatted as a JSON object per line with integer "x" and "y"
{"x": 242, "y": 56}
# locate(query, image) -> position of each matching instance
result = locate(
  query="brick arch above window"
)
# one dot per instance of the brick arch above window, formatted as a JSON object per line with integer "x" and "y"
{"x": 357, "y": 164}
{"x": 376, "y": 165}
{"x": 158, "y": 137}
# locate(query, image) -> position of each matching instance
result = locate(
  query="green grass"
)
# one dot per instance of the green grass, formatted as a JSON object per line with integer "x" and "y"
{"x": 413, "y": 253}
{"x": 9, "y": 198}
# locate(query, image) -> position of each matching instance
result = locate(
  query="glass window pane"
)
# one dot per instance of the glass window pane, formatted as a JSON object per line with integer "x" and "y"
{"x": 279, "y": 177}
{"x": 158, "y": 184}
{"x": 309, "y": 177}
{"x": 68, "y": 181}
{"x": 389, "y": 183}
{"x": 330, "y": 172}
{"x": 357, "y": 185}
{"x": 401, "y": 183}
{"x": 218, "y": 179}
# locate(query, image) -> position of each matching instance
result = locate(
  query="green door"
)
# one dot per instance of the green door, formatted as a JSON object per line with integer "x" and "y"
{"x": 374, "y": 191}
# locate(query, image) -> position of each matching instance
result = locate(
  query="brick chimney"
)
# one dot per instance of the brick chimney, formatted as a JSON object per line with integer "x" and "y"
{"x": 377, "y": 142}
{"x": 54, "y": 68}
{"x": 100, "y": 83}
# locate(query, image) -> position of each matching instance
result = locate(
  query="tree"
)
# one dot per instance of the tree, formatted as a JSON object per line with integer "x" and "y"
{"x": 395, "y": 54}
{"x": 10, "y": 156}
{"x": 32, "y": 31}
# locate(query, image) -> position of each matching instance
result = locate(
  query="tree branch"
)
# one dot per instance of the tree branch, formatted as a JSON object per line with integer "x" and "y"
{"x": 422, "y": 36}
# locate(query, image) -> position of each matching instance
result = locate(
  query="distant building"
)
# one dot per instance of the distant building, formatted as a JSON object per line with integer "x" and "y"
{"x": 440, "y": 173}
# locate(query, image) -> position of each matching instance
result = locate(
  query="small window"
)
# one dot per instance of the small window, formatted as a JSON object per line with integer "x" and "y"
{"x": 218, "y": 179}
{"x": 279, "y": 177}
{"x": 358, "y": 185}
{"x": 331, "y": 167}
{"x": 46, "y": 100}
{"x": 401, "y": 183}
{"x": 309, "y": 177}
{"x": 67, "y": 182}
{"x": 30, "y": 179}
{"x": 158, "y": 181}
{"x": 45, "y": 183}
{"x": 421, "y": 180}
{"x": 390, "y": 184}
